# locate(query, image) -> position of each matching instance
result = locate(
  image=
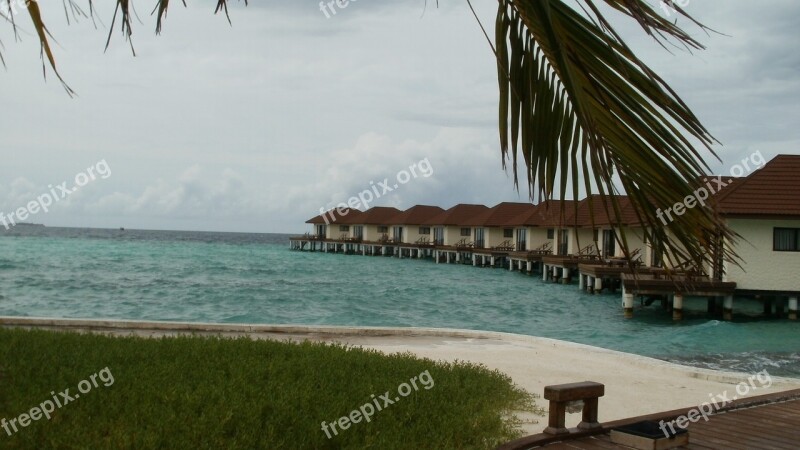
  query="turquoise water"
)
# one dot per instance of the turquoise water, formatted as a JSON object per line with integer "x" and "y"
{"x": 255, "y": 278}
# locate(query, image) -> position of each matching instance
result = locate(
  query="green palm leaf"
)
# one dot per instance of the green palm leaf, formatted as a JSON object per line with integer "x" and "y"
{"x": 576, "y": 103}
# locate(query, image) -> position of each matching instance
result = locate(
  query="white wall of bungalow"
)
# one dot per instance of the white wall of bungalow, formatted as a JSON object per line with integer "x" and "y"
{"x": 492, "y": 236}
{"x": 539, "y": 236}
{"x": 764, "y": 209}
{"x": 763, "y": 268}
{"x": 453, "y": 234}
{"x": 413, "y": 233}
{"x": 373, "y": 232}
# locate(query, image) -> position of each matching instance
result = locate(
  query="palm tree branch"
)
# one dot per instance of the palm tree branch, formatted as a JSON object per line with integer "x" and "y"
{"x": 589, "y": 106}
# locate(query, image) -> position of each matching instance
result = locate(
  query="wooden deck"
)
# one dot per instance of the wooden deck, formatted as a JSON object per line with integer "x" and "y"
{"x": 569, "y": 261}
{"x": 532, "y": 256}
{"x": 608, "y": 271}
{"x": 765, "y": 422}
{"x": 645, "y": 284}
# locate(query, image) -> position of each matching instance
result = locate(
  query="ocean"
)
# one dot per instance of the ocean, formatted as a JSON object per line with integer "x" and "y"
{"x": 256, "y": 278}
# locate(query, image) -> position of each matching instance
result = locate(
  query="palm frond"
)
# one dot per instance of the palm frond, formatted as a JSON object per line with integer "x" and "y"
{"x": 576, "y": 102}
{"x": 122, "y": 8}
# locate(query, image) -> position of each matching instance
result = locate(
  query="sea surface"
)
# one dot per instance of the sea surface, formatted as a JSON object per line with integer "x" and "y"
{"x": 256, "y": 278}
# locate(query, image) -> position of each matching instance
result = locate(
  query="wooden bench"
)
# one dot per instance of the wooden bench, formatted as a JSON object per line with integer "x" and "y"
{"x": 560, "y": 395}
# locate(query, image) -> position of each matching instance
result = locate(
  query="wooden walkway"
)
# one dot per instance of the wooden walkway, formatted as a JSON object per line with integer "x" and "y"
{"x": 765, "y": 422}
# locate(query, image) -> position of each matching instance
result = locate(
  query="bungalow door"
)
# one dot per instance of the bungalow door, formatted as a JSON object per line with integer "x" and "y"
{"x": 321, "y": 229}
{"x": 479, "y": 238}
{"x": 397, "y": 234}
{"x": 609, "y": 243}
{"x": 522, "y": 237}
{"x": 438, "y": 235}
{"x": 563, "y": 242}
{"x": 656, "y": 259}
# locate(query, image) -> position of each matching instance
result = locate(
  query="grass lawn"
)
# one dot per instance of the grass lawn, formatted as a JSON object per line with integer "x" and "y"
{"x": 215, "y": 393}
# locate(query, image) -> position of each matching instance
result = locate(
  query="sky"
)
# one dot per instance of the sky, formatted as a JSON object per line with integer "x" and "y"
{"x": 255, "y": 127}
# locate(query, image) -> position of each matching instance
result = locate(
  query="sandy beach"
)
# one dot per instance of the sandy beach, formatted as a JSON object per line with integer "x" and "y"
{"x": 635, "y": 385}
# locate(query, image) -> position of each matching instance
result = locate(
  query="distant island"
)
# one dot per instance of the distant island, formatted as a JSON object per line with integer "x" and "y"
{"x": 28, "y": 224}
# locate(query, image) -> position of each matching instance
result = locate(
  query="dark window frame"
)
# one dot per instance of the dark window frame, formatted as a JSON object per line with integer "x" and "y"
{"x": 344, "y": 228}
{"x": 424, "y": 230}
{"x": 796, "y": 239}
{"x": 508, "y": 233}
{"x": 551, "y": 233}
{"x": 468, "y": 232}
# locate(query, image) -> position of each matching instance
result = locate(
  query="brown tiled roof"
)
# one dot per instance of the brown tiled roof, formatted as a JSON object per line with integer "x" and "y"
{"x": 417, "y": 215}
{"x": 456, "y": 215}
{"x": 773, "y": 190}
{"x": 333, "y": 216}
{"x": 592, "y": 210}
{"x": 500, "y": 215}
{"x": 545, "y": 214}
{"x": 377, "y": 215}
{"x": 710, "y": 181}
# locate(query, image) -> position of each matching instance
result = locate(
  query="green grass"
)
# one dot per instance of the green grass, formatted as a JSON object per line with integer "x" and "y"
{"x": 215, "y": 393}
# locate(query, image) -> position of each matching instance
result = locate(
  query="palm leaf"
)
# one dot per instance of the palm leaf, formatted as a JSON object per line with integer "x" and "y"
{"x": 588, "y": 108}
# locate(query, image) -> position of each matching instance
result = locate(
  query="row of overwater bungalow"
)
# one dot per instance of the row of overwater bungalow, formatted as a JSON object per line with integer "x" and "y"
{"x": 565, "y": 240}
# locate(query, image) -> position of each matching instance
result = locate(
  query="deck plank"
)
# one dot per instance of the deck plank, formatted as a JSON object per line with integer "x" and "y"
{"x": 768, "y": 426}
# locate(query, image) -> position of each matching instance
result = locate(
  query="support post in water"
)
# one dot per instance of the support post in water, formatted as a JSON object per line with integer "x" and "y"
{"x": 627, "y": 305}
{"x": 727, "y": 308}
{"x": 677, "y": 307}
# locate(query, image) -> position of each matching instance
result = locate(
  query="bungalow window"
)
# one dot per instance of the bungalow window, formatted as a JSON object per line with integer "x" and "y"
{"x": 508, "y": 232}
{"x": 383, "y": 229}
{"x": 786, "y": 240}
{"x": 551, "y": 233}
{"x": 358, "y": 231}
{"x": 344, "y": 227}
{"x": 424, "y": 230}
{"x": 466, "y": 232}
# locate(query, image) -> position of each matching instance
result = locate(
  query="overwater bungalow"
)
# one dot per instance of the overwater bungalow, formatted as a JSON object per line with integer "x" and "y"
{"x": 602, "y": 260}
{"x": 537, "y": 233}
{"x": 448, "y": 228}
{"x": 374, "y": 224}
{"x": 493, "y": 233}
{"x": 491, "y": 228}
{"x": 331, "y": 224}
{"x": 416, "y": 238}
{"x": 764, "y": 209}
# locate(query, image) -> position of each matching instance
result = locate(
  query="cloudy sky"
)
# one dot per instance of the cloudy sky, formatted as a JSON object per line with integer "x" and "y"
{"x": 257, "y": 126}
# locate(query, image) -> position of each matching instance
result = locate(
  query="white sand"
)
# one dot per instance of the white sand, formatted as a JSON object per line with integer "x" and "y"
{"x": 635, "y": 385}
